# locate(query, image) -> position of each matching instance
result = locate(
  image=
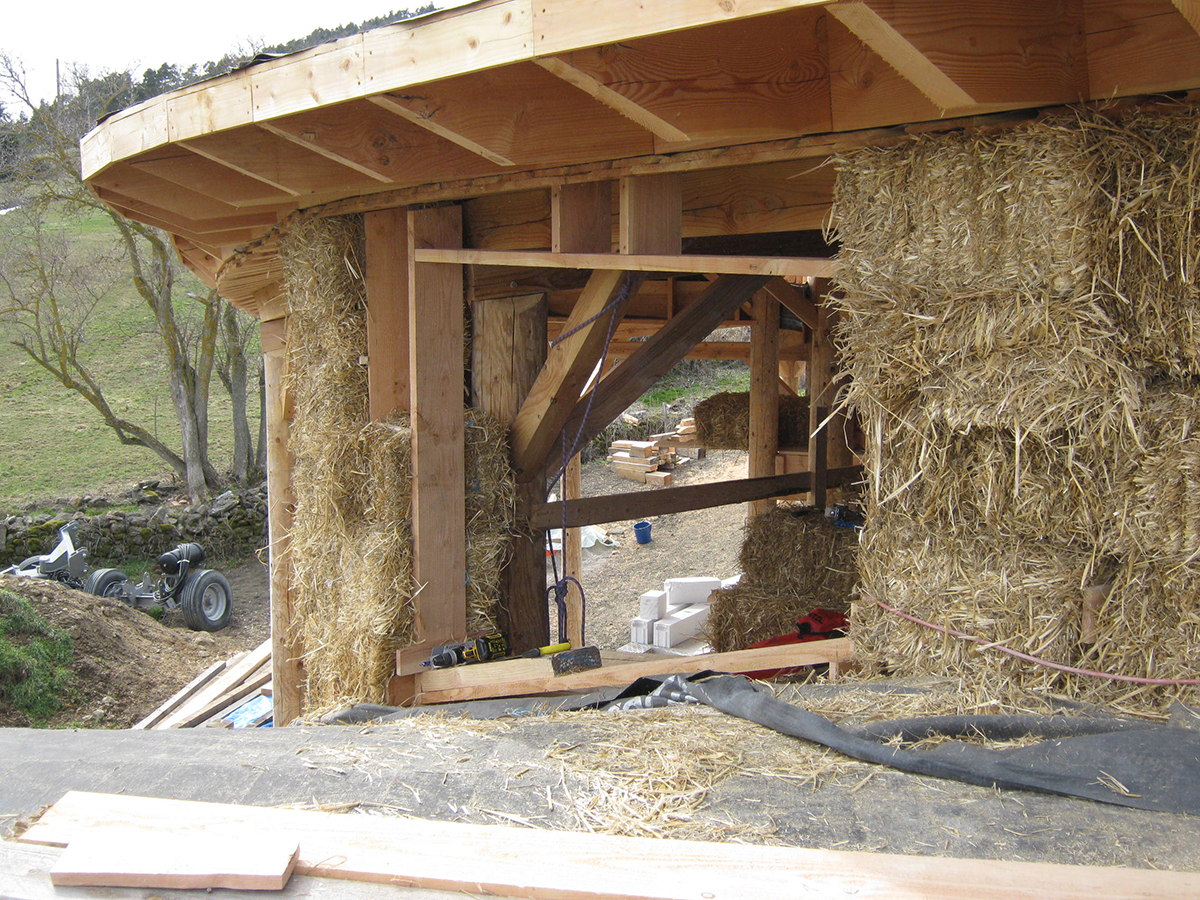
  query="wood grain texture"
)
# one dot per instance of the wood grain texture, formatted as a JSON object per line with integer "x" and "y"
{"x": 287, "y": 650}
{"x": 621, "y": 507}
{"x": 792, "y": 196}
{"x": 435, "y": 331}
{"x": 617, "y": 101}
{"x": 389, "y": 270}
{"x": 114, "y": 858}
{"x": 212, "y": 179}
{"x": 650, "y": 216}
{"x": 796, "y": 267}
{"x": 519, "y": 220}
{"x": 505, "y": 359}
{"x": 1140, "y": 46}
{"x": 581, "y": 217}
{"x": 764, "y": 394}
{"x": 756, "y": 78}
{"x": 528, "y": 116}
{"x": 529, "y": 862}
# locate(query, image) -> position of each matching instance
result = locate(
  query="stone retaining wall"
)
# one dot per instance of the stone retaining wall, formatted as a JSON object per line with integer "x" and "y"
{"x": 232, "y": 526}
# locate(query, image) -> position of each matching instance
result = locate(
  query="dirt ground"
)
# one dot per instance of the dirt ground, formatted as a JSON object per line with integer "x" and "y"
{"x": 128, "y": 663}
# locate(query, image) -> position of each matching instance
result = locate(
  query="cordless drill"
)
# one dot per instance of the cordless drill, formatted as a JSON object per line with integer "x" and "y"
{"x": 476, "y": 650}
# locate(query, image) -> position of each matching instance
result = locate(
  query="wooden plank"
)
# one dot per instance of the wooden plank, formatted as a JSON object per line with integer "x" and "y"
{"x": 517, "y": 220}
{"x": 424, "y": 117}
{"x": 739, "y": 350}
{"x": 1190, "y": 9}
{"x": 460, "y": 683}
{"x": 389, "y": 265}
{"x": 229, "y": 700}
{"x": 435, "y": 330}
{"x": 212, "y": 179}
{"x": 572, "y": 488}
{"x": 538, "y": 425}
{"x": 651, "y": 215}
{"x": 764, "y": 395}
{"x": 895, "y": 49}
{"x": 1140, "y": 46}
{"x": 287, "y": 651}
{"x": 116, "y": 858}
{"x": 530, "y": 862}
{"x": 601, "y": 92}
{"x": 228, "y": 682}
{"x": 581, "y": 217}
{"x": 180, "y": 696}
{"x": 795, "y": 300}
{"x": 777, "y": 197}
{"x": 645, "y": 367}
{"x": 794, "y": 267}
{"x": 622, "y": 507}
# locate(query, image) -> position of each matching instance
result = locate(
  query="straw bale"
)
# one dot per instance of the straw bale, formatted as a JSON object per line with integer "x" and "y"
{"x": 351, "y": 537}
{"x": 1147, "y": 167}
{"x": 723, "y": 421}
{"x": 793, "y": 560}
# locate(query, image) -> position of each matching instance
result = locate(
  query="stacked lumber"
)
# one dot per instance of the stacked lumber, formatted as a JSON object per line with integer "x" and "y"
{"x": 675, "y": 614}
{"x": 640, "y": 461}
{"x": 684, "y": 434}
{"x": 233, "y": 693}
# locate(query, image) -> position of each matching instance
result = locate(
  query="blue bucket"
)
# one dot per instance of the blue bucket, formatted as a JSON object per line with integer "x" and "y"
{"x": 642, "y": 532}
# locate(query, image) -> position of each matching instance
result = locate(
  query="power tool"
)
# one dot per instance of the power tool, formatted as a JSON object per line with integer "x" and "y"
{"x": 476, "y": 650}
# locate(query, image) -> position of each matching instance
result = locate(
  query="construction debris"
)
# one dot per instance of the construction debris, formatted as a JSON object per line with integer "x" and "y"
{"x": 640, "y": 461}
{"x": 220, "y": 695}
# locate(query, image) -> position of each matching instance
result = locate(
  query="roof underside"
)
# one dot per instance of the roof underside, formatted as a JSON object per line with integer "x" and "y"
{"x": 506, "y": 95}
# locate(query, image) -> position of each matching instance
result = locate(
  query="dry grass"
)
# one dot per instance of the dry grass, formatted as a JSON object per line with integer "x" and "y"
{"x": 351, "y": 536}
{"x": 793, "y": 560}
{"x": 1019, "y": 317}
{"x": 723, "y": 421}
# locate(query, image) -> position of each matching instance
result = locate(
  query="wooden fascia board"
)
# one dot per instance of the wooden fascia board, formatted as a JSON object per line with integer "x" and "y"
{"x": 1191, "y": 12}
{"x": 606, "y": 95}
{"x": 900, "y": 53}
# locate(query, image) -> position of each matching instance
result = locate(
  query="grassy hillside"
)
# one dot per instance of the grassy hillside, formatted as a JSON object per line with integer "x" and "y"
{"x": 52, "y": 442}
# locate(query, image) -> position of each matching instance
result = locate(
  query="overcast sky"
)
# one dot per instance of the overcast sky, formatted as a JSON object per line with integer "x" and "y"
{"x": 119, "y": 34}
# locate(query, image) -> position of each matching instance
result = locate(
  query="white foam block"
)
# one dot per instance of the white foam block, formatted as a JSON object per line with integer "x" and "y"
{"x": 641, "y": 630}
{"x": 686, "y": 591}
{"x": 730, "y": 582}
{"x": 654, "y": 605}
{"x": 679, "y": 626}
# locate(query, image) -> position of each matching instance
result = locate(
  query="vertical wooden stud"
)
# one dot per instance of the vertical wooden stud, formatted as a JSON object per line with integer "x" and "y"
{"x": 651, "y": 214}
{"x": 287, "y": 671}
{"x": 764, "y": 393}
{"x": 389, "y": 252}
{"x": 435, "y": 328}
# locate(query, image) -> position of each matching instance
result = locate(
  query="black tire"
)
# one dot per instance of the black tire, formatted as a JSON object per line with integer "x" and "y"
{"x": 206, "y": 600}
{"x": 106, "y": 583}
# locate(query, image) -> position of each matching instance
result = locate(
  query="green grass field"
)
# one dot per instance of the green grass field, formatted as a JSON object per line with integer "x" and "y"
{"x": 52, "y": 442}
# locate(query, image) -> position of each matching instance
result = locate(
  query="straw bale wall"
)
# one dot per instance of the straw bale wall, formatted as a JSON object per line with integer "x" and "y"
{"x": 351, "y": 538}
{"x": 723, "y": 421}
{"x": 1018, "y": 316}
{"x": 793, "y": 560}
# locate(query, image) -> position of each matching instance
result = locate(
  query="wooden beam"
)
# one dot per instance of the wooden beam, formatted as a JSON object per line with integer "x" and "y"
{"x": 739, "y": 350}
{"x": 518, "y": 677}
{"x": 795, "y": 300}
{"x": 388, "y": 281}
{"x": 538, "y": 425}
{"x": 606, "y": 95}
{"x": 651, "y": 215}
{"x": 308, "y": 141}
{"x": 424, "y": 117}
{"x": 645, "y": 367}
{"x": 795, "y": 267}
{"x": 874, "y": 31}
{"x": 287, "y": 650}
{"x": 572, "y": 556}
{"x": 1191, "y": 11}
{"x": 435, "y": 329}
{"x": 639, "y": 504}
{"x": 764, "y": 394}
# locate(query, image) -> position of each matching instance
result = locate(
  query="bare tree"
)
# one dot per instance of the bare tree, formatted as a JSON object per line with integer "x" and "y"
{"x": 51, "y": 290}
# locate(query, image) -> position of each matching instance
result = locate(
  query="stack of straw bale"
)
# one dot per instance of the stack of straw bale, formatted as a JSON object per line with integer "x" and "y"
{"x": 1019, "y": 316}
{"x": 351, "y": 538}
{"x": 793, "y": 560}
{"x": 723, "y": 421}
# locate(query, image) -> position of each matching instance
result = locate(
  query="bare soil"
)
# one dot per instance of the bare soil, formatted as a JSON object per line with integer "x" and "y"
{"x": 127, "y": 663}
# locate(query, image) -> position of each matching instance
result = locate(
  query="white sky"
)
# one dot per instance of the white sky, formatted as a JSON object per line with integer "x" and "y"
{"x": 119, "y": 34}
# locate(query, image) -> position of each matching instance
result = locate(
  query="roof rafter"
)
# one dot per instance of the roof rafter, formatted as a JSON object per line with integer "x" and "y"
{"x": 308, "y": 140}
{"x": 1191, "y": 12}
{"x": 412, "y": 109}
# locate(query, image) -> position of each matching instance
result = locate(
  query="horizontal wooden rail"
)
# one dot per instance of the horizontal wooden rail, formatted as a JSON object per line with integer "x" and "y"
{"x": 639, "y": 504}
{"x": 796, "y": 267}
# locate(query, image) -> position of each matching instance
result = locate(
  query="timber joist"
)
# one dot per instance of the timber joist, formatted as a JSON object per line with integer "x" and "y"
{"x": 506, "y": 95}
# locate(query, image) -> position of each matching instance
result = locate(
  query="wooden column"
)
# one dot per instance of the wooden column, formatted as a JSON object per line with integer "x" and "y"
{"x": 581, "y": 222}
{"x": 764, "y": 394}
{"x": 651, "y": 214}
{"x": 509, "y": 350}
{"x": 435, "y": 329}
{"x": 830, "y": 450}
{"x": 388, "y": 271}
{"x": 287, "y": 671}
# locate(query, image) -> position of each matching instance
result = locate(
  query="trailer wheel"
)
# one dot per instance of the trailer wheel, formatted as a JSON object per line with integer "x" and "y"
{"x": 107, "y": 583}
{"x": 206, "y": 600}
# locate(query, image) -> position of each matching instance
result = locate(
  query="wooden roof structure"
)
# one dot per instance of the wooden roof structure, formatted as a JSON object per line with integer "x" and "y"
{"x": 544, "y": 150}
{"x": 508, "y": 95}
